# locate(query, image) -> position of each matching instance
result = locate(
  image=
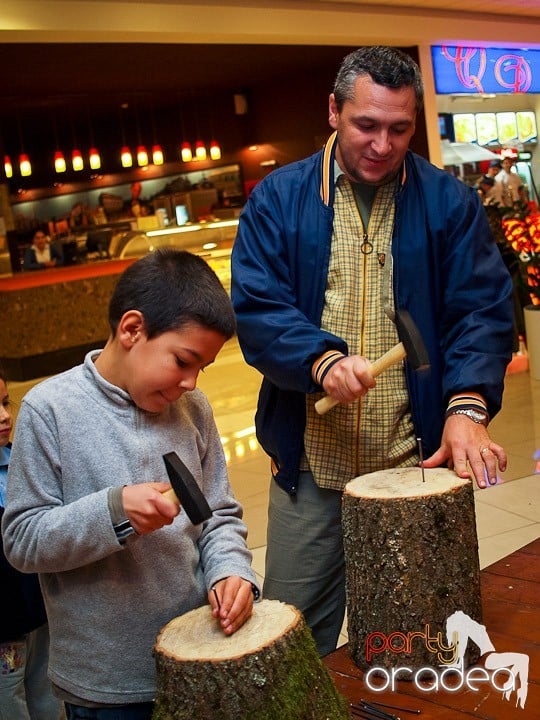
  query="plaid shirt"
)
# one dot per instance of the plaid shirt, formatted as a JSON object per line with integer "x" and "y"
{"x": 375, "y": 432}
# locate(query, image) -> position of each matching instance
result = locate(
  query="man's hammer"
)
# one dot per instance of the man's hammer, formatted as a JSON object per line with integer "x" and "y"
{"x": 411, "y": 346}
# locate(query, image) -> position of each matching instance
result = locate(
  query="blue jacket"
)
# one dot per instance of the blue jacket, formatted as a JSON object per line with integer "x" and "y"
{"x": 448, "y": 273}
{"x": 22, "y": 605}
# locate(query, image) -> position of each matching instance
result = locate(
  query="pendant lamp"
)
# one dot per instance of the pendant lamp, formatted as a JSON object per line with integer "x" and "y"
{"x": 185, "y": 152}
{"x": 215, "y": 150}
{"x": 8, "y": 167}
{"x": 200, "y": 150}
{"x": 59, "y": 162}
{"x": 157, "y": 155}
{"x": 142, "y": 156}
{"x": 77, "y": 161}
{"x": 125, "y": 157}
{"x": 25, "y": 166}
{"x": 94, "y": 159}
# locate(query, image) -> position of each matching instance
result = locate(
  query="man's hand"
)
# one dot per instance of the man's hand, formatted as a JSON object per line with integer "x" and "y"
{"x": 349, "y": 379}
{"x": 146, "y": 508}
{"x": 232, "y": 603}
{"x": 466, "y": 444}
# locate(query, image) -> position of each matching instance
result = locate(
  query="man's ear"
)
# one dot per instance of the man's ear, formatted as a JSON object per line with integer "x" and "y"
{"x": 332, "y": 112}
{"x": 130, "y": 328}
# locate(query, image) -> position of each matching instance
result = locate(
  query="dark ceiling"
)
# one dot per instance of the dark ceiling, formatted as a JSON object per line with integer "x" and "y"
{"x": 43, "y": 75}
{"x": 67, "y": 95}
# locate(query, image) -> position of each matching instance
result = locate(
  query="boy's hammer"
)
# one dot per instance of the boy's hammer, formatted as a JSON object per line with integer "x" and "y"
{"x": 411, "y": 346}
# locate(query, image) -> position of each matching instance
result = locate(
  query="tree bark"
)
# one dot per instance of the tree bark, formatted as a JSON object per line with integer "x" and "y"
{"x": 411, "y": 555}
{"x": 268, "y": 670}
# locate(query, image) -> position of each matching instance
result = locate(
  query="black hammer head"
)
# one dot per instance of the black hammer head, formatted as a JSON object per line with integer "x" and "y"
{"x": 186, "y": 489}
{"x": 409, "y": 335}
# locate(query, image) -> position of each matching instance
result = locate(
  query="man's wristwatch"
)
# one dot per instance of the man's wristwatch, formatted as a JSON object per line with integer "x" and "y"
{"x": 477, "y": 415}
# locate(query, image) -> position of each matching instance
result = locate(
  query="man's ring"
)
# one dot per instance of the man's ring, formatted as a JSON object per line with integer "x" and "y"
{"x": 483, "y": 451}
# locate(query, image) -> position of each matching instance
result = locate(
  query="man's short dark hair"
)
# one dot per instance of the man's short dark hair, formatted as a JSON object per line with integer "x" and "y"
{"x": 172, "y": 289}
{"x": 496, "y": 163}
{"x": 385, "y": 65}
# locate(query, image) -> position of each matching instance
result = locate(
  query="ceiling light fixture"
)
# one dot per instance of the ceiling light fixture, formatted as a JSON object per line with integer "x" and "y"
{"x": 142, "y": 156}
{"x": 126, "y": 157}
{"x": 200, "y": 150}
{"x": 157, "y": 151}
{"x": 8, "y": 167}
{"x": 157, "y": 155}
{"x": 59, "y": 161}
{"x": 186, "y": 152}
{"x": 25, "y": 165}
{"x": 94, "y": 159}
{"x": 215, "y": 150}
{"x": 77, "y": 161}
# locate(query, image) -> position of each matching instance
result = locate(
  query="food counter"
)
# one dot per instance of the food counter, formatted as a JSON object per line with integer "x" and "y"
{"x": 211, "y": 240}
{"x": 53, "y": 317}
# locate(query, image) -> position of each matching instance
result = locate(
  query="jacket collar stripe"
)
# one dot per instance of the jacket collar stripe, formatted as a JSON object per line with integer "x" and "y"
{"x": 327, "y": 169}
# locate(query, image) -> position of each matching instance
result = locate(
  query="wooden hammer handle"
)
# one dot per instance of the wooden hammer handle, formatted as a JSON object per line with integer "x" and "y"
{"x": 171, "y": 495}
{"x": 393, "y": 356}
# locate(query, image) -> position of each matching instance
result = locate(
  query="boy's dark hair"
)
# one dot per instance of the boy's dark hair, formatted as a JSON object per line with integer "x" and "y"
{"x": 172, "y": 289}
{"x": 2, "y": 374}
{"x": 385, "y": 65}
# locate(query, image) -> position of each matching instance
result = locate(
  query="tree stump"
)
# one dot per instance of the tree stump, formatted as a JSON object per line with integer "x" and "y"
{"x": 411, "y": 558}
{"x": 268, "y": 670}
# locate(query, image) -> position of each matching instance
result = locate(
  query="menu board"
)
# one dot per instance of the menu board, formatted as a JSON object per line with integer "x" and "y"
{"x": 502, "y": 128}
{"x": 507, "y": 128}
{"x": 526, "y": 126}
{"x": 486, "y": 128}
{"x": 464, "y": 127}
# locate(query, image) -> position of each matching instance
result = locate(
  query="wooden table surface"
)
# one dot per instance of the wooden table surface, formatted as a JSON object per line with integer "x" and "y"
{"x": 511, "y": 608}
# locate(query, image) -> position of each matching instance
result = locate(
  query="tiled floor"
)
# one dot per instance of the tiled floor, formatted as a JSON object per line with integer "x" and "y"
{"x": 508, "y": 514}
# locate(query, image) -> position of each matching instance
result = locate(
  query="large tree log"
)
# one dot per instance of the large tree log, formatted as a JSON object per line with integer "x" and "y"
{"x": 267, "y": 670}
{"x": 411, "y": 555}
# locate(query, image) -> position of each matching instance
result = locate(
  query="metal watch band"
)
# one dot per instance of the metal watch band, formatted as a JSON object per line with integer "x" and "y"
{"x": 478, "y": 416}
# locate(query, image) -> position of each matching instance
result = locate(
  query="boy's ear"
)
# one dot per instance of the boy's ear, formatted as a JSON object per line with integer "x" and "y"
{"x": 130, "y": 327}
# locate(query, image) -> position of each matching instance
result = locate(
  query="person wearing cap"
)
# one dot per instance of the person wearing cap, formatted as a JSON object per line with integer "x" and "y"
{"x": 509, "y": 188}
{"x": 495, "y": 166}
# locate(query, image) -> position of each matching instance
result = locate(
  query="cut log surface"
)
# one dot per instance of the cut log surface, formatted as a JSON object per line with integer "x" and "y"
{"x": 269, "y": 669}
{"x": 411, "y": 555}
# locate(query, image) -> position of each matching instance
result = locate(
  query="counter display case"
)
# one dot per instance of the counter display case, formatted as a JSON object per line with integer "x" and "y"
{"x": 211, "y": 240}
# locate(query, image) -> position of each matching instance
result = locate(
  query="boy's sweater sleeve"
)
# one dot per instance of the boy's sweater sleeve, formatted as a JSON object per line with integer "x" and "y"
{"x": 222, "y": 543}
{"x": 43, "y": 533}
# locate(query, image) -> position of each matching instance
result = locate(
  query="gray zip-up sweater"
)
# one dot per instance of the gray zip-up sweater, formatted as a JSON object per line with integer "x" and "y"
{"x": 76, "y": 437}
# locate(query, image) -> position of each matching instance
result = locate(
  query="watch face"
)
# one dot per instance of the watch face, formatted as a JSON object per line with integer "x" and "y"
{"x": 476, "y": 415}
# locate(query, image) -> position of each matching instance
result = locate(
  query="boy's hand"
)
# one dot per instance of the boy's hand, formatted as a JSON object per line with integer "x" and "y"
{"x": 146, "y": 508}
{"x": 232, "y": 602}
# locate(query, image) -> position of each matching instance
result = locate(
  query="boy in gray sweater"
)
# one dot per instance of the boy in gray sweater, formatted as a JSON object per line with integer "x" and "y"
{"x": 85, "y": 505}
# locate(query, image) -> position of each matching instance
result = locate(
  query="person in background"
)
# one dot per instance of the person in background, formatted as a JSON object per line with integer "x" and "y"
{"x": 494, "y": 168}
{"x": 41, "y": 254}
{"x": 85, "y": 505}
{"x": 485, "y": 189}
{"x": 509, "y": 188}
{"x": 25, "y": 690}
{"x": 327, "y": 250}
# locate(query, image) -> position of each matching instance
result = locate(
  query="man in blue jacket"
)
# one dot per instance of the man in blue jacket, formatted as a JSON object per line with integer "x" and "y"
{"x": 327, "y": 249}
